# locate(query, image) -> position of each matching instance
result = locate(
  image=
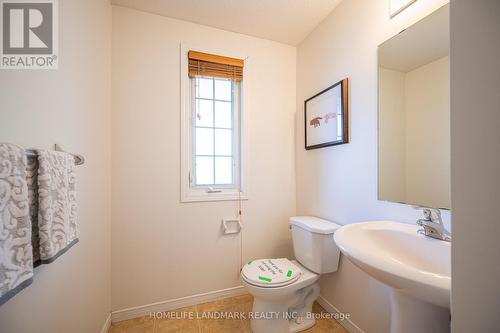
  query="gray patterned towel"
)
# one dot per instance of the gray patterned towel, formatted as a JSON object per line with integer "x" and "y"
{"x": 16, "y": 255}
{"x": 56, "y": 225}
{"x": 32, "y": 180}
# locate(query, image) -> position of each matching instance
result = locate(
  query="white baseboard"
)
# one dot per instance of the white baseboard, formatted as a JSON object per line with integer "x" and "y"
{"x": 172, "y": 304}
{"x": 348, "y": 324}
{"x": 107, "y": 324}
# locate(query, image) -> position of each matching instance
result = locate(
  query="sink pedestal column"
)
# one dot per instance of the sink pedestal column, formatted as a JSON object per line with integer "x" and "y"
{"x": 411, "y": 315}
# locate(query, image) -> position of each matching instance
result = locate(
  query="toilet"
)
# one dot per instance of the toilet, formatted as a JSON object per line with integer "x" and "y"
{"x": 284, "y": 290}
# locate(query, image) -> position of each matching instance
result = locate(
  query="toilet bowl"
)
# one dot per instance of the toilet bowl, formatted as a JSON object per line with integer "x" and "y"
{"x": 285, "y": 290}
{"x": 288, "y": 305}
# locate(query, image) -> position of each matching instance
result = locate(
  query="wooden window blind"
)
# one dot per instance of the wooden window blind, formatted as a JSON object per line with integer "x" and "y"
{"x": 205, "y": 64}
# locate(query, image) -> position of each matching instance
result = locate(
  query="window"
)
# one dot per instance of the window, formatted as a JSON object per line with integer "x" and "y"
{"x": 214, "y": 122}
{"x": 212, "y": 141}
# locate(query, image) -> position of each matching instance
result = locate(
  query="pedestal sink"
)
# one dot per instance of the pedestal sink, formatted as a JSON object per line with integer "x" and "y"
{"x": 415, "y": 267}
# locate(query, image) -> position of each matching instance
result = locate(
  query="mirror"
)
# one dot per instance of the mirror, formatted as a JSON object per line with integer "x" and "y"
{"x": 414, "y": 114}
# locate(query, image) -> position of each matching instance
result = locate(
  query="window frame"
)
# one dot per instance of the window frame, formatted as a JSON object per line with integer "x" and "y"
{"x": 189, "y": 191}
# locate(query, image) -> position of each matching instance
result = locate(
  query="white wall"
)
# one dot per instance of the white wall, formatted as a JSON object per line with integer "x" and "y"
{"x": 414, "y": 138}
{"x": 69, "y": 106}
{"x": 161, "y": 248}
{"x": 340, "y": 183}
{"x": 475, "y": 138}
{"x": 392, "y": 137}
{"x": 427, "y": 108}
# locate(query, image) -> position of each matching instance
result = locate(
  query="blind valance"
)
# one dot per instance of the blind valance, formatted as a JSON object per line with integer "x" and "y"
{"x": 205, "y": 64}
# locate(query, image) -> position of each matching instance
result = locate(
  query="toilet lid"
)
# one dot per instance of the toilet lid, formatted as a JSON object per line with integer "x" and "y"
{"x": 270, "y": 272}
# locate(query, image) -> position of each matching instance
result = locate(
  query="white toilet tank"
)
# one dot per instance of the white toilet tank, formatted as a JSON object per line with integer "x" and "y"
{"x": 313, "y": 243}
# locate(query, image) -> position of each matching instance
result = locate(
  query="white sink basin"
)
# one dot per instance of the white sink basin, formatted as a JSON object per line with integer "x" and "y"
{"x": 416, "y": 267}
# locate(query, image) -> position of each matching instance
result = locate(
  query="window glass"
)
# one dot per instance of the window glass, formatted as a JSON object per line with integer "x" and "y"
{"x": 204, "y": 170}
{"x": 204, "y": 88}
{"x": 223, "y": 170}
{"x": 223, "y": 114}
{"x": 204, "y": 141}
{"x": 223, "y": 142}
{"x": 223, "y": 89}
{"x": 204, "y": 113}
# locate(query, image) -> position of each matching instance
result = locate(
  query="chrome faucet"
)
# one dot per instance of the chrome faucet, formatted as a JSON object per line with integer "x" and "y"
{"x": 432, "y": 225}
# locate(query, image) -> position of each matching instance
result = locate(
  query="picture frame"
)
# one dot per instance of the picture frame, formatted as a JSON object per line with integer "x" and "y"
{"x": 397, "y": 6}
{"x": 326, "y": 117}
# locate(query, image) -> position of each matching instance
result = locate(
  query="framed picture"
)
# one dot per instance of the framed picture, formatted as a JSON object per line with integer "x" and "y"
{"x": 397, "y": 6}
{"x": 327, "y": 117}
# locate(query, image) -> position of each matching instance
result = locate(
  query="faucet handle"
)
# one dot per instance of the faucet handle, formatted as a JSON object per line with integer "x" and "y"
{"x": 435, "y": 211}
{"x": 427, "y": 211}
{"x": 435, "y": 215}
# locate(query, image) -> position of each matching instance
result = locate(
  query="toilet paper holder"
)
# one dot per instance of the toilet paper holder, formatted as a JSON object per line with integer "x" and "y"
{"x": 231, "y": 226}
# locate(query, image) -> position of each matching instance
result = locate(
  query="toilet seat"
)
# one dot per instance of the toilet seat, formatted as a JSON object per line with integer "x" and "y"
{"x": 271, "y": 273}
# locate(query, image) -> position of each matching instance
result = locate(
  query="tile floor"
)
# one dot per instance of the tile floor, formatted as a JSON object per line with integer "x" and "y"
{"x": 241, "y": 303}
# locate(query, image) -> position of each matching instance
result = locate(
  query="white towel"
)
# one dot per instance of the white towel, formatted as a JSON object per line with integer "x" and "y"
{"x": 16, "y": 256}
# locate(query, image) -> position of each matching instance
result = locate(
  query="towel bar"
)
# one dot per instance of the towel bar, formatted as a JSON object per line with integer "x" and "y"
{"x": 79, "y": 159}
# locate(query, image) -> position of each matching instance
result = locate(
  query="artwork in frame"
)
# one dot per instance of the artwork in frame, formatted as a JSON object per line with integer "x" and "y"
{"x": 327, "y": 117}
{"x": 397, "y": 6}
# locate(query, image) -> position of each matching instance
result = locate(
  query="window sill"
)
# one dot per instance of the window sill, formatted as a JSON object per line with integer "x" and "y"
{"x": 201, "y": 196}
